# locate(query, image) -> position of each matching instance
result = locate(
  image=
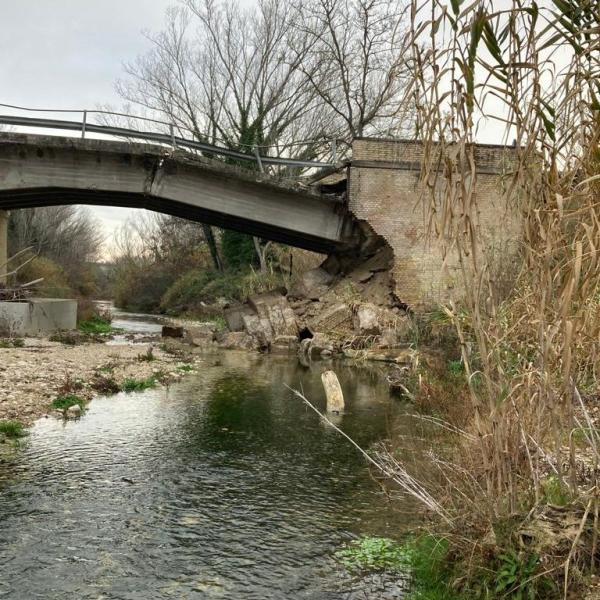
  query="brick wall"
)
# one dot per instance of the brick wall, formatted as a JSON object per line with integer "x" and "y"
{"x": 385, "y": 192}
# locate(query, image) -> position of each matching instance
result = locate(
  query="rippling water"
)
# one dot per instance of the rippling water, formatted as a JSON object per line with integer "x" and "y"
{"x": 223, "y": 486}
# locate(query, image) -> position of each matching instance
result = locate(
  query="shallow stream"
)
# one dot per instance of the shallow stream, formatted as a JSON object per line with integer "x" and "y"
{"x": 222, "y": 486}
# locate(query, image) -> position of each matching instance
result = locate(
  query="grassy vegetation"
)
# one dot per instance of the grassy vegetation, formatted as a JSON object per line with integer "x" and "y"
{"x": 66, "y": 401}
{"x": 95, "y": 325}
{"x": 12, "y": 343}
{"x": 147, "y": 356}
{"x": 105, "y": 384}
{"x": 185, "y": 368}
{"x": 139, "y": 385}
{"x": 11, "y": 429}
{"x": 205, "y": 286}
{"x": 374, "y": 554}
{"x": 431, "y": 565}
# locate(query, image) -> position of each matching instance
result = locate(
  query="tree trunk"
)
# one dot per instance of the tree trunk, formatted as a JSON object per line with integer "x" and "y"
{"x": 3, "y": 246}
{"x": 212, "y": 244}
{"x": 261, "y": 254}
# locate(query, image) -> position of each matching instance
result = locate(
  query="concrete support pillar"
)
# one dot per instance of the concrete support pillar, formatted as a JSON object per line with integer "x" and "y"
{"x": 3, "y": 244}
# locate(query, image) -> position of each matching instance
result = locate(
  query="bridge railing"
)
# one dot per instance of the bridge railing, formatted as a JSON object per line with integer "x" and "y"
{"x": 258, "y": 155}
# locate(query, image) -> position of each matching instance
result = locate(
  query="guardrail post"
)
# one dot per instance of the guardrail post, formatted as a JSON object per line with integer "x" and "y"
{"x": 83, "y": 124}
{"x": 3, "y": 245}
{"x": 334, "y": 151}
{"x": 172, "y": 131}
{"x": 257, "y": 154}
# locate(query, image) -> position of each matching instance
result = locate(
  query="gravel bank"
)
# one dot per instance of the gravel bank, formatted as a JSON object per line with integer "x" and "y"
{"x": 31, "y": 377}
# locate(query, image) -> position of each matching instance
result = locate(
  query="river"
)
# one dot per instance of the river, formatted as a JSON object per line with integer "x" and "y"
{"x": 223, "y": 486}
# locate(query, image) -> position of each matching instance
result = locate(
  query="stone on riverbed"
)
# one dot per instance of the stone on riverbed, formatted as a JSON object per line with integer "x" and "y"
{"x": 201, "y": 334}
{"x": 366, "y": 320}
{"x": 73, "y": 412}
{"x": 284, "y": 344}
{"x": 238, "y": 340}
{"x": 312, "y": 284}
{"x": 172, "y": 331}
{"x": 318, "y": 345}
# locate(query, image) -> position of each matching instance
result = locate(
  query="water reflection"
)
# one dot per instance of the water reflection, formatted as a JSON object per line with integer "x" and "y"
{"x": 224, "y": 486}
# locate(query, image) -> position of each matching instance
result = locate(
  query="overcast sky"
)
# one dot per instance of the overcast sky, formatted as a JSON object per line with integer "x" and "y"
{"x": 68, "y": 54}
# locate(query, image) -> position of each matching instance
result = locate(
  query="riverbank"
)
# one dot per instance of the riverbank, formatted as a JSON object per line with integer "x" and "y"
{"x": 32, "y": 376}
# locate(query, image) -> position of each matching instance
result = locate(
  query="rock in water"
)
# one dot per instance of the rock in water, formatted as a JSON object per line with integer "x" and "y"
{"x": 172, "y": 331}
{"x": 333, "y": 392}
{"x": 74, "y": 411}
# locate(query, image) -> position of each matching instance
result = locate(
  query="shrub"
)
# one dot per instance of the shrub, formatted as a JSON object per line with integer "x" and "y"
{"x": 147, "y": 356}
{"x": 69, "y": 338}
{"x": 70, "y": 386}
{"x": 200, "y": 286}
{"x": 66, "y": 401}
{"x": 188, "y": 290}
{"x": 138, "y": 385}
{"x": 12, "y": 429}
{"x": 12, "y": 343}
{"x": 141, "y": 286}
{"x": 55, "y": 283}
{"x": 238, "y": 249}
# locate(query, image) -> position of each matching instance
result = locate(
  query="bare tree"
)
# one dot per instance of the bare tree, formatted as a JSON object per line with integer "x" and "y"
{"x": 67, "y": 234}
{"x": 276, "y": 74}
{"x": 359, "y": 64}
{"x": 229, "y": 75}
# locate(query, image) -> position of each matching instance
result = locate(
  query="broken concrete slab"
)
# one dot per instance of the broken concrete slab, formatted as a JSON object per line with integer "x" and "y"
{"x": 234, "y": 316}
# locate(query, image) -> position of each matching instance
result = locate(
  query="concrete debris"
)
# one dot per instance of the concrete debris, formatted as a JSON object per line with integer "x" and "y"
{"x": 333, "y": 392}
{"x": 201, "y": 333}
{"x": 312, "y": 284}
{"x": 333, "y": 318}
{"x": 367, "y": 319}
{"x": 238, "y": 340}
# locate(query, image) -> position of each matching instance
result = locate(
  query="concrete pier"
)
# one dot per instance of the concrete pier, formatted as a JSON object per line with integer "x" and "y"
{"x": 3, "y": 244}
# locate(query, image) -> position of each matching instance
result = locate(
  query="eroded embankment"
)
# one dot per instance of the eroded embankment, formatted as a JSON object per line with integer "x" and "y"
{"x": 346, "y": 307}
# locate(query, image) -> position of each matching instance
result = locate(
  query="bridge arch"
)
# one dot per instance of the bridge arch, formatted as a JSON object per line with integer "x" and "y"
{"x": 50, "y": 170}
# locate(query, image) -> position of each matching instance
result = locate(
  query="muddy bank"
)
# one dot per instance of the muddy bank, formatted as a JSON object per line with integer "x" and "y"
{"x": 31, "y": 377}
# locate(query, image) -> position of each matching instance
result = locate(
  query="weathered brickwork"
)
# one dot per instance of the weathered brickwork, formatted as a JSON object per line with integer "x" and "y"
{"x": 385, "y": 192}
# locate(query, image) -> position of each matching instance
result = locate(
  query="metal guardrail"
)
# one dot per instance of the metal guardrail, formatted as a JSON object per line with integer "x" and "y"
{"x": 170, "y": 139}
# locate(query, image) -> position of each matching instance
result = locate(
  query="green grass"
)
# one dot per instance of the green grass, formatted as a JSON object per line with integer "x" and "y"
{"x": 430, "y": 569}
{"x": 456, "y": 367}
{"x": 95, "y": 325}
{"x": 185, "y": 368}
{"x": 374, "y": 554}
{"x": 424, "y": 558}
{"x": 66, "y": 401}
{"x": 12, "y": 429}
{"x": 138, "y": 385}
{"x": 555, "y": 492}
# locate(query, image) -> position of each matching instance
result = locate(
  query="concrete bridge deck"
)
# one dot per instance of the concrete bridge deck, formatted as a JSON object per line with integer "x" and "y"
{"x": 38, "y": 170}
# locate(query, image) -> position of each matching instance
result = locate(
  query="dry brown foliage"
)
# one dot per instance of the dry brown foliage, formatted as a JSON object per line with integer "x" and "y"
{"x": 531, "y": 351}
